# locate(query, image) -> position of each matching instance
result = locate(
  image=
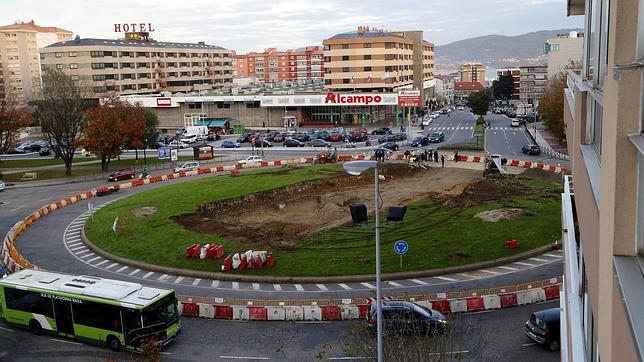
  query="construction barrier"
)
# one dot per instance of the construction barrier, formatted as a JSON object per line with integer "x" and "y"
{"x": 294, "y": 313}
{"x": 257, "y": 313}
{"x": 537, "y": 295}
{"x": 508, "y": 300}
{"x": 276, "y": 313}
{"x": 190, "y": 309}
{"x": 524, "y": 297}
{"x": 240, "y": 312}
{"x": 475, "y": 304}
{"x": 331, "y": 313}
{"x": 442, "y": 306}
{"x": 206, "y": 311}
{"x": 349, "y": 311}
{"x": 458, "y": 305}
{"x": 551, "y": 291}
{"x": 223, "y": 312}
{"x": 312, "y": 313}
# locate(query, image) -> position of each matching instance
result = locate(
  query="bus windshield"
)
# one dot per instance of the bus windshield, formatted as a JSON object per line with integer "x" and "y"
{"x": 164, "y": 311}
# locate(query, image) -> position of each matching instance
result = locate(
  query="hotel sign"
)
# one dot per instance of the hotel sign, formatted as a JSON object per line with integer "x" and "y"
{"x": 133, "y": 27}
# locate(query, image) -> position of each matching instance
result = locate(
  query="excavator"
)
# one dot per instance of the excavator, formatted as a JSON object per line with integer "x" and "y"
{"x": 327, "y": 157}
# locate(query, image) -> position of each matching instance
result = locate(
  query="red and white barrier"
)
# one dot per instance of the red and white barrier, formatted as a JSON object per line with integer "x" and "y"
{"x": 312, "y": 313}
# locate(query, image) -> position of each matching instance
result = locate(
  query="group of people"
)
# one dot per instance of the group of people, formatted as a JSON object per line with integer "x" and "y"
{"x": 425, "y": 155}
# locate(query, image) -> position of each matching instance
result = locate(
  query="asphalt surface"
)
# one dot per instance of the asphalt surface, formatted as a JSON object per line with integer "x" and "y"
{"x": 485, "y": 336}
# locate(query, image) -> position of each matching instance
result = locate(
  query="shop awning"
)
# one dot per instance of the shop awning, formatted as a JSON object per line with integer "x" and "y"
{"x": 214, "y": 122}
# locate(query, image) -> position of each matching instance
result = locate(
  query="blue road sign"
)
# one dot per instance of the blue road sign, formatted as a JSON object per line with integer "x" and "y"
{"x": 401, "y": 247}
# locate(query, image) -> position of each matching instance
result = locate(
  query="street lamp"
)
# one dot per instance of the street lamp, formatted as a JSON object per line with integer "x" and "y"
{"x": 356, "y": 168}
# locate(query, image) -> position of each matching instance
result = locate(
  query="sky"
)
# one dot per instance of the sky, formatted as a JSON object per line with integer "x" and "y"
{"x": 253, "y": 25}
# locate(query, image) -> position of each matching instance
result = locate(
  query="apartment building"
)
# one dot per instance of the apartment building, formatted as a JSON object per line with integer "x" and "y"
{"x": 563, "y": 51}
{"x": 377, "y": 60}
{"x": 273, "y": 65}
{"x": 462, "y": 90}
{"x": 603, "y": 199}
{"x": 444, "y": 89}
{"x": 516, "y": 80}
{"x": 533, "y": 80}
{"x": 139, "y": 65}
{"x": 472, "y": 72}
{"x": 20, "y": 78}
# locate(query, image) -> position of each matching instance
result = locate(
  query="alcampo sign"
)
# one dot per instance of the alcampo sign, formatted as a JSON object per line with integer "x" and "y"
{"x": 351, "y": 99}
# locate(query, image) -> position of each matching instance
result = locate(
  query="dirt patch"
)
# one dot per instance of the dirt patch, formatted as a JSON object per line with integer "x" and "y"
{"x": 542, "y": 175}
{"x": 284, "y": 216}
{"x": 500, "y": 214}
{"x": 488, "y": 189}
{"x": 144, "y": 211}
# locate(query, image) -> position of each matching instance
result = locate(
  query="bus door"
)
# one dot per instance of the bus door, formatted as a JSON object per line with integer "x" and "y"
{"x": 64, "y": 321}
{"x": 132, "y": 326}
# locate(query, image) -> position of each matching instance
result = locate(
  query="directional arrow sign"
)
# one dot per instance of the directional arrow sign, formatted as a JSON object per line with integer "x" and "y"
{"x": 401, "y": 247}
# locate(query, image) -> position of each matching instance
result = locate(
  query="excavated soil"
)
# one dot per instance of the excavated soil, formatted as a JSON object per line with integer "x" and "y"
{"x": 500, "y": 214}
{"x": 284, "y": 216}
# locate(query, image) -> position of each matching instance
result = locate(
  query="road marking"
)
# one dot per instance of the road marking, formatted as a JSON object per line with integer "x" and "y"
{"x": 17, "y": 208}
{"x": 147, "y": 275}
{"x": 348, "y": 358}
{"x": 178, "y": 280}
{"x": 370, "y": 286}
{"x": 256, "y": 286}
{"x": 395, "y": 284}
{"x": 452, "y": 352}
{"x": 235, "y": 285}
{"x": 91, "y": 260}
{"x": 112, "y": 266}
{"x": 277, "y": 287}
{"x": 322, "y": 286}
{"x": 134, "y": 272}
{"x": 242, "y": 357}
{"x": 163, "y": 276}
{"x": 45, "y": 199}
{"x": 344, "y": 286}
{"x": 73, "y": 239}
{"x": 446, "y": 278}
{"x": 74, "y": 244}
{"x": 537, "y": 259}
{"x": 121, "y": 269}
{"x": 196, "y": 281}
{"x": 83, "y": 252}
{"x": 78, "y": 247}
{"x": 524, "y": 264}
{"x": 552, "y": 255}
{"x": 489, "y": 271}
{"x": 215, "y": 284}
{"x": 298, "y": 287}
{"x": 6, "y": 329}
{"x": 507, "y": 267}
{"x": 418, "y": 281}
{"x": 68, "y": 342}
{"x": 527, "y": 344}
{"x": 101, "y": 263}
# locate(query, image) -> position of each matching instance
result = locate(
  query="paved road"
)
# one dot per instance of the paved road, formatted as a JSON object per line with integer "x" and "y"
{"x": 458, "y": 126}
{"x": 487, "y": 336}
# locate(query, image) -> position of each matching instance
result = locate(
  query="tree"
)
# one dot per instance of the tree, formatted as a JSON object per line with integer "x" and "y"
{"x": 551, "y": 107}
{"x": 60, "y": 111}
{"x": 12, "y": 119}
{"x": 479, "y": 102}
{"x": 110, "y": 127}
{"x": 503, "y": 87}
{"x": 150, "y": 133}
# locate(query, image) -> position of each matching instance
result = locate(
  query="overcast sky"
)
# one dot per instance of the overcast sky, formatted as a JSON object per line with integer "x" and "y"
{"x": 252, "y": 25}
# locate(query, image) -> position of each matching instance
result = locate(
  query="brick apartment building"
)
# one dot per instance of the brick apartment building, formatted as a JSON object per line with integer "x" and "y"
{"x": 472, "y": 72}
{"x": 516, "y": 80}
{"x": 273, "y": 65}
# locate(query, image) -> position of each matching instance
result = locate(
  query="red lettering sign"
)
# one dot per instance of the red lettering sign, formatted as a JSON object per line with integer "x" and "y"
{"x": 164, "y": 102}
{"x": 351, "y": 99}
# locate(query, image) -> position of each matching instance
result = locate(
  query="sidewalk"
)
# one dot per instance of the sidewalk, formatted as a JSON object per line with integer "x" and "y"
{"x": 548, "y": 142}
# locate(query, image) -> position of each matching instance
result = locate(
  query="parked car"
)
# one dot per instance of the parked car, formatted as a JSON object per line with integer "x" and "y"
{"x": 515, "y": 123}
{"x": 292, "y": 142}
{"x": 357, "y": 137}
{"x": 245, "y": 137}
{"x": 510, "y": 113}
{"x": 390, "y": 146}
{"x": 387, "y": 138}
{"x": 230, "y": 144}
{"x": 178, "y": 144}
{"x": 436, "y": 137}
{"x": 32, "y": 147}
{"x": 262, "y": 143}
{"x": 253, "y": 137}
{"x": 321, "y": 134}
{"x": 427, "y": 121}
{"x": 270, "y": 137}
{"x": 543, "y": 328}
{"x": 531, "y": 150}
{"x": 189, "y": 138}
{"x": 213, "y": 137}
{"x": 400, "y": 136}
{"x": 187, "y": 166}
{"x": 122, "y": 174}
{"x": 319, "y": 143}
{"x": 250, "y": 160}
{"x": 2, "y": 185}
{"x": 44, "y": 151}
{"x": 281, "y": 137}
{"x": 420, "y": 141}
{"x": 406, "y": 317}
{"x": 381, "y": 131}
{"x": 302, "y": 137}
{"x": 335, "y": 137}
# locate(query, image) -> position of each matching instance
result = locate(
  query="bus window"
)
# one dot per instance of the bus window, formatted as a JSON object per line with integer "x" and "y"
{"x": 132, "y": 324}
{"x": 98, "y": 315}
{"x": 162, "y": 312}
{"x": 27, "y": 301}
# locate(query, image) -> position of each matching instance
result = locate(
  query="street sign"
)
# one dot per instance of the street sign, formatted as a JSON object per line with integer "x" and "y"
{"x": 401, "y": 247}
{"x": 164, "y": 153}
{"x": 409, "y": 98}
{"x": 174, "y": 156}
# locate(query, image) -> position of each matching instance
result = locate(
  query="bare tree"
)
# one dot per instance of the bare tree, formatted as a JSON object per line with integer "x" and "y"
{"x": 60, "y": 111}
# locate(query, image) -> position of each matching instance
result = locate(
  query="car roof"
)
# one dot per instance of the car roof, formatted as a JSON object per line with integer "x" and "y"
{"x": 549, "y": 314}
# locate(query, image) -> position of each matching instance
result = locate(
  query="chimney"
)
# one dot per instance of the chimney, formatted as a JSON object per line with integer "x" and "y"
{"x": 77, "y": 38}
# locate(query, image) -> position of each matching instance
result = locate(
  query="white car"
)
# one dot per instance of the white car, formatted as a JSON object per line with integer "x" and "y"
{"x": 2, "y": 185}
{"x": 460, "y": 108}
{"x": 187, "y": 166}
{"x": 434, "y": 114}
{"x": 426, "y": 122}
{"x": 189, "y": 138}
{"x": 515, "y": 123}
{"x": 178, "y": 144}
{"x": 250, "y": 160}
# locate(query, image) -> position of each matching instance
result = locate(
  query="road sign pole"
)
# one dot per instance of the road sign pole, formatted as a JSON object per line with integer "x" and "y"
{"x": 401, "y": 261}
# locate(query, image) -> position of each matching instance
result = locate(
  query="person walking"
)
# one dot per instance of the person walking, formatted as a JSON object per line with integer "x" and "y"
{"x": 455, "y": 156}
{"x": 443, "y": 160}
{"x": 436, "y": 156}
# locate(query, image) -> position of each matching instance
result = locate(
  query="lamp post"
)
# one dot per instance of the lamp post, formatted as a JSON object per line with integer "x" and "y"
{"x": 145, "y": 159}
{"x": 356, "y": 168}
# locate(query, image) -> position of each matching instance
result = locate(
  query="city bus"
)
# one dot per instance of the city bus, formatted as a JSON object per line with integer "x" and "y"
{"x": 102, "y": 311}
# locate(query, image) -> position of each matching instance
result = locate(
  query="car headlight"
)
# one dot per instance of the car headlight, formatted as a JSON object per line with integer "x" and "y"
{"x": 443, "y": 321}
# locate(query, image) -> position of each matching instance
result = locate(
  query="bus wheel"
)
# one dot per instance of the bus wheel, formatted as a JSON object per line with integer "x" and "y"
{"x": 35, "y": 327}
{"x": 114, "y": 343}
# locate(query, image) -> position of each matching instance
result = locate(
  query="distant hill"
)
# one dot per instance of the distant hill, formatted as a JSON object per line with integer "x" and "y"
{"x": 496, "y": 51}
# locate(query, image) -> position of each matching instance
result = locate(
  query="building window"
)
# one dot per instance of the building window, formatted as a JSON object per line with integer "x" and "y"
{"x": 345, "y": 46}
{"x": 327, "y": 47}
{"x": 345, "y": 69}
{"x": 367, "y": 57}
{"x": 74, "y": 77}
{"x": 59, "y": 66}
{"x": 327, "y": 81}
{"x": 345, "y": 57}
{"x": 367, "y": 69}
{"x": 71, "y": 54}
{"x": 367, "y": 45}
{"x": 594, "y": 124}
{"x": 73, "y": 65}
{"x": 346, "y": 81}
{"x": 96, "y": 54}
{"x": 59, "y": 55}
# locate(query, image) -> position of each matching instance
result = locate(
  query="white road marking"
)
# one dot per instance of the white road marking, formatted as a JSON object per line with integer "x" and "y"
{"x": 322, "y": 286}
{"x": 418, "y": 281}
{"x": 344, "y": 286}
{"x": 255, "y": 286}
{"x": 243, "y": 357}
{"x": 527, "y": 344}
{"x": 45, "y": 199}
{"x": 74, "y": 244}
{"x": 83, "y": 252}
{"x": 77, "y": 248}
{"x": 17, "y": 208}
{"x": 103, "y": 262}
{"x": 215, "y": 284}
{"x": 121, "y": 269}
{"x": 112, "y": 266}
{"x": 507, "y": 267}
{"x": 540, "y": 260}
{"x": 490, "y": 271}
{"x": 370, "y": 286}
{"x": 196, "y": 281}
{"x": 178, "y": 280}
{"x": 552, "y": 255}
{"x": 91, "y": 260}
{"x": 348, "y": 358}
{"x": 235, "y": 285}
{"x": 135, "y": 271}
{"x": 277, "y": 287}
{"x": 147, "y": 275}
{"x": 524, "y": 264}
{"x": 68, "y": 342}
{"x": 446, "y": 278}
{"x": 452, "y": 352}
{"x": 395, "y": 284}
{"x": 298, "y": 287}
{"x": 73, "y": 240}
{"x": 6, "y": 329}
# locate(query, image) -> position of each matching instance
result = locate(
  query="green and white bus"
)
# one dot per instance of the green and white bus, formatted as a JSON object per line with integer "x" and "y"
{"x": 104, "y": 311}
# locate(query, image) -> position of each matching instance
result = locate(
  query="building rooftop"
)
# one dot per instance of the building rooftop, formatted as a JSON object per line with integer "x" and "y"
{"x": 366, "y": 34}
{"x": 131, "y": 43}
{"x": 31, "y": 26}
{"x": 468, "y": 86}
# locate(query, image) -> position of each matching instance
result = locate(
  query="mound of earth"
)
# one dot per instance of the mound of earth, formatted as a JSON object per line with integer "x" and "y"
{"x": 144, "y": 211}
{"x": 499, "y": 214}
{"x": 543, "y": 175}
{"x": 488, "y": 189}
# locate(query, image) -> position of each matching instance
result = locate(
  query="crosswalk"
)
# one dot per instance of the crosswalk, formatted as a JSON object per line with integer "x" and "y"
{"x": 470, "y": 128}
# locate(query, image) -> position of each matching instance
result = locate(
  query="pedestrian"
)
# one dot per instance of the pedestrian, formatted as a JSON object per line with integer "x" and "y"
{"x": 426, "y": 157}
{"x": 443, "y": 160}
{"x": 402, "y": 128}
{"x": 436, "y": 156}
{"x": 455, "y": 156}
{"x": 407, "y": 153}
{"x": 263, "y": 124}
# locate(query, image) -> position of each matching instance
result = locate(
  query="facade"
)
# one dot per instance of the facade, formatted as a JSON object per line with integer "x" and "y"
{"x": 20, "y": 78}
{"x": 533, "y": 83}
{"x": 379, "y": 61}
{"x": 562, "y": 51}
{"x": 140, "y": 65}
{"x": 516, "y": 80}
{"x": 462, "y": 90}
{"x": 444, "y": 89}
{"x": 603, "y": 202}
{"x": 276, "y": 66}
{"x": 472, "y": 72}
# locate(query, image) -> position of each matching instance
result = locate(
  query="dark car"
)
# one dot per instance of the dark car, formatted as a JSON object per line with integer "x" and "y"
{"x": 270, "y": 137}
{"x": 319, "y": 143}
{"x": 262, "y": 143}
{"x": 387, "y": 138}
{"x": 230, "y": 144}
{"x": 279, "y": 137}
{"x": 543, "y": 328}
{"x": 123, "y": 174}
{"x": 32, "y": 147}
{"x": 245, "y": 137}
{"x": 436, "y": 137}
{"x": 407, "y": 318}
{"x": 531, "y": 150}
{"x": 321, "y": 135}
{"x": 335, "y": 137}
{"x": 390, "y": 146}
{"x": 45, "y": 151}
{"x": 292, "y": 142}
{"x": 302, "y": 137}
{"x": 400, "y": 136}
{"x": 510, "y": 113}
{"x": 253, "y": 137}
{"x": 381, "y": 131}
{"x": 357, "y": 137}
{"x": 420, "y": 141}
{"x": 213, "y": 137}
